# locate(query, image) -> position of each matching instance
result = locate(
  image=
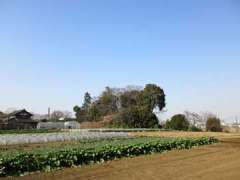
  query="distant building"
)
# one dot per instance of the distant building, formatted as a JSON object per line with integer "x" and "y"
{"x": 20, "y": 119}
{"x": 201, "y": 125}
{"x": 236, "y": 125}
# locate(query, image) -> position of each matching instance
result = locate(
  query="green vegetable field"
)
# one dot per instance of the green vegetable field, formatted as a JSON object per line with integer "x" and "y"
{"x": 13, "y": 163}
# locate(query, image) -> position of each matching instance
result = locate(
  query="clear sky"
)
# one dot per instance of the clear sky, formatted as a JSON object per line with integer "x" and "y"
{"x": 52, "y": 51}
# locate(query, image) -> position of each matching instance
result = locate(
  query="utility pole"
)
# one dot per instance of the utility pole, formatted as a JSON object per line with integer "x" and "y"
{"x": 237, "y": 123}
{"x": 49, "y": 113}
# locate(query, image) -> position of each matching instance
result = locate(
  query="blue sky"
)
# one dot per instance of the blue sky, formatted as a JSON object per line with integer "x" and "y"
{"x": 51, "y": 52}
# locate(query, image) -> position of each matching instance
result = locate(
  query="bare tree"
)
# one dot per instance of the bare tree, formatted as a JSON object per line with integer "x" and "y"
{"x": 56, "y": 115}
{"x": 193, "y": 118}
{"x": 10, "y": 110}
{"x": 67, "y": 114}
{"x": 206, "y": 115}
{"x": 198, "y": 119}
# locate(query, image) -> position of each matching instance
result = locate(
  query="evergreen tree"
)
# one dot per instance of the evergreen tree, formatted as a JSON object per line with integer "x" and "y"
{"x": 87, "y": 101}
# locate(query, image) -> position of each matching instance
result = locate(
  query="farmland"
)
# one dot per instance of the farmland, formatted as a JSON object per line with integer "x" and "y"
{"x": 29, "y": 131}
{"x": 20, "y": 159}
{"x": 216, "y": 162}
{"x": 10, "y": 139}
{"x": 218, "y": 135}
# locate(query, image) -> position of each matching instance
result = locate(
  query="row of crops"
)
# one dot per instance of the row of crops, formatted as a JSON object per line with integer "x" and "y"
{"x": 10, "y": 139}
{"x": 28, "y": 131}
{"x": 88, "y": 152}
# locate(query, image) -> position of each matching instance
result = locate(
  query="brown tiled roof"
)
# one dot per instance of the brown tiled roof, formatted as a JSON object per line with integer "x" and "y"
{"x": 18, "y": 111}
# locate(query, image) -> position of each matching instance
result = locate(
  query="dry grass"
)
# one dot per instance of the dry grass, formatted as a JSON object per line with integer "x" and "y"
{"x": 219, "y": 135}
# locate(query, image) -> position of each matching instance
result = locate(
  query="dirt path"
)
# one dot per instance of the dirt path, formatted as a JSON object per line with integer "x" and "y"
{"x": 215, "y": 162}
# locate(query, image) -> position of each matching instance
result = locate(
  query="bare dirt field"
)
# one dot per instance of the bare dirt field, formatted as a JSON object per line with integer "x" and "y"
{"x": 218, "y": 135}
{"x": 214, "y": 162}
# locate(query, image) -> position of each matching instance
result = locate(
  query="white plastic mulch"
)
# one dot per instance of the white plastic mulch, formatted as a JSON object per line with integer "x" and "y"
{"x": 8, "y": 139}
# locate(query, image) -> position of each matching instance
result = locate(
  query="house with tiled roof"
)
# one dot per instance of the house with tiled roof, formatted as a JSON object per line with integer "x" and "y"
{"x": 20, "y": 119}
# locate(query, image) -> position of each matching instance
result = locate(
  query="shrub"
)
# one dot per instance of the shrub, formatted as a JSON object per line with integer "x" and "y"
{"x": 178, "y": 122}
{"x": 194, "y": 129}
{"x": 213, "y": 124}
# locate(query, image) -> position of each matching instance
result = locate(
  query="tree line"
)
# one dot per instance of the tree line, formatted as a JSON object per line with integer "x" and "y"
{"x": 194, "y": 122}
{"x": 130, "y": 107}
{"x": 133, "y": 107}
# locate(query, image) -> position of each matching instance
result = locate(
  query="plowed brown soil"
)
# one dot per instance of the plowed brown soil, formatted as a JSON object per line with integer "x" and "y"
{"x": 214, "y": 162}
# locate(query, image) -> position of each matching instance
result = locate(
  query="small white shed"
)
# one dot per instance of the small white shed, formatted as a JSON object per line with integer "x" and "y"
{"x": 72, "y": 125}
